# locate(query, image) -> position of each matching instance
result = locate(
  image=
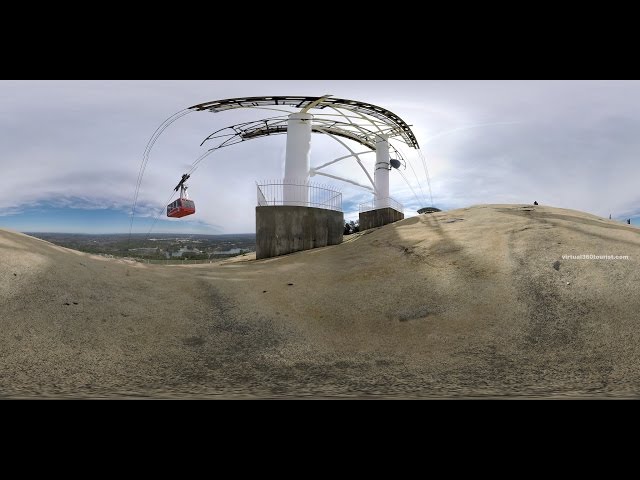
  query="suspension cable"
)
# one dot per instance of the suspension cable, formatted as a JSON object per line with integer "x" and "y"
{"x": 426, "y": 172}
{"x": 145, "y": 159}
{"x": 424, "y": 198}
{"x": 161, "y": 212}
{"x": 407, "y": 182}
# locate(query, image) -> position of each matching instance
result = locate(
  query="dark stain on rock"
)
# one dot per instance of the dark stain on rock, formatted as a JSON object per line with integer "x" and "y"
{"x": 556, "y": 264}
{"x": 193, "y": 341}
{"x": 413, "y": 313}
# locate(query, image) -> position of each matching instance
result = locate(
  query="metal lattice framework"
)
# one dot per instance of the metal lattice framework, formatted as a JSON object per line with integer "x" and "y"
{"x": 241, "y": 132}
{"x": 278, "y": 125}
{"x": 357, "y": 113}
{"x": 337, "y": 118}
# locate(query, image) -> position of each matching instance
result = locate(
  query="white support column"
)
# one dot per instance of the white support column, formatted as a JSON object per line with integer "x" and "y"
{"x": 297, "y": 163}
{"x": 381, "y": 172}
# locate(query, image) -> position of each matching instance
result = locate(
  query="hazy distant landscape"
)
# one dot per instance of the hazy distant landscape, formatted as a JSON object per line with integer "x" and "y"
{"x": 160, "y": 246}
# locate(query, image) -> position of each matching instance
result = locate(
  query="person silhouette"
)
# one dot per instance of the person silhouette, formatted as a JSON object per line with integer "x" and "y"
{"x": 629, "y": 221}
{"x": 535, "y": 203}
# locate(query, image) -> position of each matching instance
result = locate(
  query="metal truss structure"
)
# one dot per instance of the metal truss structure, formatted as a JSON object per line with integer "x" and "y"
{"x": 360, "y": 122}
{"x": 383, "y": 121}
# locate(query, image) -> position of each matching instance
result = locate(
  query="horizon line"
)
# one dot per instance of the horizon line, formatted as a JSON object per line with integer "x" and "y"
{"x": 127, "y": 233}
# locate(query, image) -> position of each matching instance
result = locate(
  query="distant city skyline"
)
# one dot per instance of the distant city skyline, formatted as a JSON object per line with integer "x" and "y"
{"x": 70, "y": 151}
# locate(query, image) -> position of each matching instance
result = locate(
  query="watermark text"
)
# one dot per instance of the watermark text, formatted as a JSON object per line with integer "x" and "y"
{"x": 591, "y": 256}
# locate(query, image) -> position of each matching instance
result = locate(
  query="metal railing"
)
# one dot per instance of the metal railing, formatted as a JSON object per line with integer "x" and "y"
{"x": 375, "y": 204}
{"x": 304, "y": 194}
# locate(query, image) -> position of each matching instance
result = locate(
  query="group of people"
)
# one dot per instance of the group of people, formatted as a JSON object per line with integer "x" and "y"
{"x": 628, "y": 220}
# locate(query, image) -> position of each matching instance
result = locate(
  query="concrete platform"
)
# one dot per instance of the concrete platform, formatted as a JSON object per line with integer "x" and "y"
{"x": 379, "y": 217}
{"x": 286, "y": 229}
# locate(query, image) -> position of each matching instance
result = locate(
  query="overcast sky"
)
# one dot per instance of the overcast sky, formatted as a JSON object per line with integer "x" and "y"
{"x": 70, "y": 151}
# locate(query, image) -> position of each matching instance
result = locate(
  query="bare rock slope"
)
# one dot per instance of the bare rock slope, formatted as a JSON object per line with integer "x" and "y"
{"x": 470, "y": 302}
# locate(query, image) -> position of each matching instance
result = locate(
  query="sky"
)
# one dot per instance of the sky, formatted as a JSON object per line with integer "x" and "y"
{"x": 70, "y": 151}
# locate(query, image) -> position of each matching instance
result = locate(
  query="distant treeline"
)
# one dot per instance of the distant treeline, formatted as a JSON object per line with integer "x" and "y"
{"x": 155, "y": 247}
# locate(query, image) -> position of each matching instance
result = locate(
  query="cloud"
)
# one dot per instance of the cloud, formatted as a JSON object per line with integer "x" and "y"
{"x": 79, "y": 145}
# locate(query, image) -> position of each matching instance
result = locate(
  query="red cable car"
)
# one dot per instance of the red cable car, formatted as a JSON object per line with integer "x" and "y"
{"x": 182, "y": 206}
